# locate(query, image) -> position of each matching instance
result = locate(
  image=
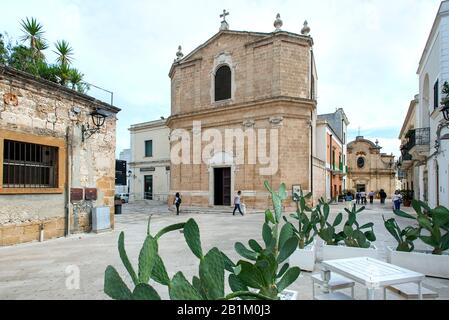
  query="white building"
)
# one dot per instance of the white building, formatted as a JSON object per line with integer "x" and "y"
{"x": 430, "y": 158}
{"x": 150, "y": 161}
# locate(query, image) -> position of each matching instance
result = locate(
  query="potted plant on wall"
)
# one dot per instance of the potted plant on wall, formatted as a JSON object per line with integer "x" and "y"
{"x": 354, "y": 240}
{"x": 305, "y": 255}
{"x": 445, "y": 91}
{"x": 432, "y": 228}
{"x": 407, "y": 197}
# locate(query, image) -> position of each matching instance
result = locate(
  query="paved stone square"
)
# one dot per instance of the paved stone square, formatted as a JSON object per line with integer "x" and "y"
{"x": 38, "y": 270}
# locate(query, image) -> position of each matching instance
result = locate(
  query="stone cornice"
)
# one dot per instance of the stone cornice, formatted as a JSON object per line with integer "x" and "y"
{"x": 161, "y": 162}
{"x": 253, "y": 104}
{"x": 148, "y": 125}
{"x": 11, "y": 74}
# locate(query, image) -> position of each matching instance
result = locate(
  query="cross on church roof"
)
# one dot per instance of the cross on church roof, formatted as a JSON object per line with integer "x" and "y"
{"x": 224, "y": 24}
{"x": 224, "y": 15}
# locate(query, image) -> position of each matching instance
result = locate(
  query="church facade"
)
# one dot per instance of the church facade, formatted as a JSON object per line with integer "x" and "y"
{"x": 243, "y": 110}
{"x": 369, "y": 169}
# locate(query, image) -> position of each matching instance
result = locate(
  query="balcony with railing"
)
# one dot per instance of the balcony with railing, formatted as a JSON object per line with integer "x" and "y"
{"x": 418, "y": 144}
{"x": 406, "y": 161}
{"x": 341, "y": 169}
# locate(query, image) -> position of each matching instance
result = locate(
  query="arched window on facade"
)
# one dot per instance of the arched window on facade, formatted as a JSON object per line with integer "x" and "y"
{"x": 223, "y": 83}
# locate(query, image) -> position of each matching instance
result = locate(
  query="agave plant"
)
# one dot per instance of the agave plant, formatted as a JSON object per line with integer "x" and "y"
{"x": 433, "y": 222}
{"x": 404, "y": 237}
{"x": 260, "y": 279}
{"x": 326, "y": 230}
{"x": 353, "y": 234}
{"x": 64, "y": 52}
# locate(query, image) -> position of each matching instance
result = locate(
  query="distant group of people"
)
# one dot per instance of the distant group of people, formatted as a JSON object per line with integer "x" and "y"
{"x": 237, "y": 203}
{"x": 361, "y": 197}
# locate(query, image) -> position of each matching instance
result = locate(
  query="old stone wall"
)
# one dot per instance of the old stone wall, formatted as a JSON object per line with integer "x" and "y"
{"x": 43, "y": 111}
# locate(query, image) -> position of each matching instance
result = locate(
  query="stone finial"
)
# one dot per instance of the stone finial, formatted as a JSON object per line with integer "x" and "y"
{"x": 377, "y": 142}
{"x": 179, "y": 54}
{"x": 278, "y": 23}
{"x": 305, "y": 31}
{"x": 224, "y": 23}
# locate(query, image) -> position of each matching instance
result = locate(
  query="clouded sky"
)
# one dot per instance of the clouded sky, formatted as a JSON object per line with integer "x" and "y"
{"x": 367, "y": 51}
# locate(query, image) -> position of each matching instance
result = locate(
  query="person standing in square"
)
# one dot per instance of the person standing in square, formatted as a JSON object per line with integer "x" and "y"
{"x": 237, "y": 203}
{"x": 177, "y": 202}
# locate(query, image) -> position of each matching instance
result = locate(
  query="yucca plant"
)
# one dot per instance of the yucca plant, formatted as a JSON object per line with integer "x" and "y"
{"x": 33, "y": 33}
{"x": 64, "y": 52}
{"x": 434, "y": 223}
{"x": 260, "y": 279}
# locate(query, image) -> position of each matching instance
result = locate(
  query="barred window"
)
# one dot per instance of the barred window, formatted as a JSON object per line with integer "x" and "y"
{"x": 223, "y": 83}
{"x": 29, "y": 165}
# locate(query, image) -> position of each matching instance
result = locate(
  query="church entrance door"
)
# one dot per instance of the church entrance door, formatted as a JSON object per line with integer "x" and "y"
{"x": 222, "y": 186}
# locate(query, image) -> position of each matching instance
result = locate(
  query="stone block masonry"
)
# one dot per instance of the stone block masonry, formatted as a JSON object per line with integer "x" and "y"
{"x": 270, "y": 85}
{"x": 37, "y": 112}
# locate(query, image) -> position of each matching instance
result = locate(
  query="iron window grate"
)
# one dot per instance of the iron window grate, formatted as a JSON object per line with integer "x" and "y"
{"x": 29, "y": 165}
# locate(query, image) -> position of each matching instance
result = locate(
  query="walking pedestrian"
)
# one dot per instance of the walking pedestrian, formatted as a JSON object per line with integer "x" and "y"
{"x": 177, "y": 202}
{"x": 371, "y": 197}
{"x": 357, "y": 197}
{"x": 237, "y": 202}
{"x": 383, "y": 196}
{"x": 397, "y": 200}
{"x": 363, "y": 197}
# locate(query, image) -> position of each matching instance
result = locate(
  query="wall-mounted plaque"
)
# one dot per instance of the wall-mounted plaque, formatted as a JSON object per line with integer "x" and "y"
{"x": 150, "y": 169}
{"x": 76, "y": 194}
{"x": 296, "y": 191}
{"x": 90, "y": 194}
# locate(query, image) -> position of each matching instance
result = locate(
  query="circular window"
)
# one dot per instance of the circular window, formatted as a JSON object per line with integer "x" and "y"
{"x": 360, "y": 162}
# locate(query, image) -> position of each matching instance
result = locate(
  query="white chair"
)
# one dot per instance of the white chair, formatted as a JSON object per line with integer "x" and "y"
{"x": 337, "y": 282}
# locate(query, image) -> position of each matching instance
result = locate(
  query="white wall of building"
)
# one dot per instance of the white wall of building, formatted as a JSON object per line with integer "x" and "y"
{"x": 156, "y": 166}
{"x": 434, "y": 65}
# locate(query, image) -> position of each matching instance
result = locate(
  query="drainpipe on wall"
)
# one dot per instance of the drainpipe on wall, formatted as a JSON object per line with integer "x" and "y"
{"x": 437, "y": 175}
{"x": 68, "y": 178}
{"x": 311, "y": 153}
{"x": 331, "y": 162}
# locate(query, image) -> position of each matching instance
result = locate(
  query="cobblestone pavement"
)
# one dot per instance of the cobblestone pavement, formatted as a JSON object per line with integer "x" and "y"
{"x": 41, "y": 270}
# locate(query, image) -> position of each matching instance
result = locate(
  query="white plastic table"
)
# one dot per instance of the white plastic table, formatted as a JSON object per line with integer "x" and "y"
{"x": 371, "y": 273}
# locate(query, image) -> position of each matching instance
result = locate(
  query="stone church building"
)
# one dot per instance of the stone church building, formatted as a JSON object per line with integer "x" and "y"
{"x": 369, "y": 169}
{"x": 239, "y": 80}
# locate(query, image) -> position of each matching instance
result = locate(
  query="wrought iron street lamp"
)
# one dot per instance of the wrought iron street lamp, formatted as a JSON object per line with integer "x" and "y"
{"x": 98, "y": 117}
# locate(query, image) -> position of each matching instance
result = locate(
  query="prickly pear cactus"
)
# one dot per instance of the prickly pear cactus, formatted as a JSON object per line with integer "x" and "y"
{"x": 265, "y": 277}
